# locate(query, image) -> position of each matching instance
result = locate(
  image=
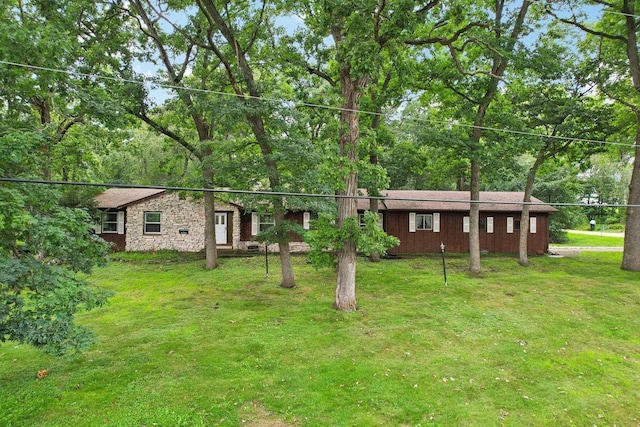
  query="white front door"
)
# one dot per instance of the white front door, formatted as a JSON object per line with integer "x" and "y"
{"x": 221, "y": 228}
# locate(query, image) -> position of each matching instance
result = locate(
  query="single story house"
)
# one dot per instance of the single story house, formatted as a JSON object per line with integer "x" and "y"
{"x": 423, "y": 219}
{"x": 148, "y": 219}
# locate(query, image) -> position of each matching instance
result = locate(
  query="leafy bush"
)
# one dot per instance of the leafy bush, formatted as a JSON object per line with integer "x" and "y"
{"x": 43, "y": 247}
{"x": 326, "y": 237}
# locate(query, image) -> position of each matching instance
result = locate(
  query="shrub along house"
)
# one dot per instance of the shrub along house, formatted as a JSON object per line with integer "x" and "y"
{"x": 423, "y": 219}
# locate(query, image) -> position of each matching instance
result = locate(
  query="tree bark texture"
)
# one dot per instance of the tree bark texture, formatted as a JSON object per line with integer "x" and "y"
{"x": 210, "y": 245}
{"x": 286, "y": 268}
{"x": 347, "y": 208}
{"x": 498, "y": 69}
{"x": 255, "y": 121}
{"x": 203, "y": 127}
{"x": 474, "y": 219}
{"x": 523, "y": 258}
{"x": 631, "y": 255}
{"x": 346, "y": 279}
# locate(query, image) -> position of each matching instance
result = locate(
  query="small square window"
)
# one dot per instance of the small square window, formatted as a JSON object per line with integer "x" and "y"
{"x": 109, "y": 222}
{"x": 424, "y": 222}
{"x": 152, "y": 222}
{"x": 266, "y": 221}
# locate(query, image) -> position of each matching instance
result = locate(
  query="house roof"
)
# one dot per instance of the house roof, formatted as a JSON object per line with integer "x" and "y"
{"x": 429, "y": 200}
{"x": 118, "y": 198}
{"x": 394, "y": 200}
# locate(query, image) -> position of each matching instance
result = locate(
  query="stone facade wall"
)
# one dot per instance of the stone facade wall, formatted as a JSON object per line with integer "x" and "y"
{"x": 181, "y": 224}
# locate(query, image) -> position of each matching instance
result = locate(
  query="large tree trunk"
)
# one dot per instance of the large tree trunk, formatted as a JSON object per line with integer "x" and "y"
{"x": 347, "y": 207}
{"x": 211, "y": 11}
{"x": 288, "y": 279}
{"x": 279, "y": 209}
{"x": 474, "y": 205}
{"x": 346, "y": 280}
{"x": 210, "y": 246}
{"x": 631, "y": 256}
{"x": 523, "y": 248}
{"x": 474, "y": 219}
{"x": 497, "y": 71}
{"x": 203, "y": 127}
{"x": 286, "y": 268}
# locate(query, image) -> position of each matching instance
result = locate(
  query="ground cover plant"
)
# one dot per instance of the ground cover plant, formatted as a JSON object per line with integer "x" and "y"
{"x": 555, "y": 343}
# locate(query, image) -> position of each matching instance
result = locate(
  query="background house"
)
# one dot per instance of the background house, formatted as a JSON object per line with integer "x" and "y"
{"x": 148, "y": 219}
{"x": 423, "y": 219}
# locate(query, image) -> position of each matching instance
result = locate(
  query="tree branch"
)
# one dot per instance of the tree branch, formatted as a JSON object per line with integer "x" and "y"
{"x": 150, "y": 31}
{"x": 461, "y": 94}
{"x": 444, "y": 41}
{"x": 320, "y": 74}
{"x": 160, "y": 128}
{"x": 603, "y": 88}
{"x": 215, "y": 21}
{"x": 430, "y": 5}
{"x": 64, "y": 127}
{"x": 376, "y": 22}
{"x": 254, "y": 36}
{"x": 573, "y": 21}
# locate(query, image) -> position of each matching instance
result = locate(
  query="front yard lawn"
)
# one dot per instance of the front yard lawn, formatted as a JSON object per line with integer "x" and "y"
{"x": 592, "y": 240}
{"x": 556, "y": 343}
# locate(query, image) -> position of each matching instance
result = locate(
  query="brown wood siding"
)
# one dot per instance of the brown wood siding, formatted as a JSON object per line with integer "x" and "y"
{"x": 456, "y": 241}
{"x": 245, "y": 225}
{"x": 298, "y": 218}
{"x": 117, "y": 240}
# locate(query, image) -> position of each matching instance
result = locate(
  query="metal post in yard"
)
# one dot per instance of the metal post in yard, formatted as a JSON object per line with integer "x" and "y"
{"x": 444, "y": 266}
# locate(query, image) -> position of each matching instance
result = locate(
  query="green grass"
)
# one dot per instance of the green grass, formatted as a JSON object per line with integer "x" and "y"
{"x": 553, "y": 344}
{"x": 591, "y": 240}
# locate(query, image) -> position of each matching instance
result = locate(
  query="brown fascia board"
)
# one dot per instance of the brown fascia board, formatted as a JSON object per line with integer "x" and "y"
{"x": 428, "y": 200}
{"x": 120, "y": 198}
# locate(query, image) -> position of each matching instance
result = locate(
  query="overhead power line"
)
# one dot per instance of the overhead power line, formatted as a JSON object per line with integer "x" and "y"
{"x": 299, "y": 194}
{"x": 306, "y": 104}
{"x": 611, "y": 12}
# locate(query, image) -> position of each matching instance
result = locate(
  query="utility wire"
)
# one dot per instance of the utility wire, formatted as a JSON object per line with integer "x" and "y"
{"x": 611, "y": 12}
{"x": 298, "y": 194}
{"x": 306, "y": 104}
